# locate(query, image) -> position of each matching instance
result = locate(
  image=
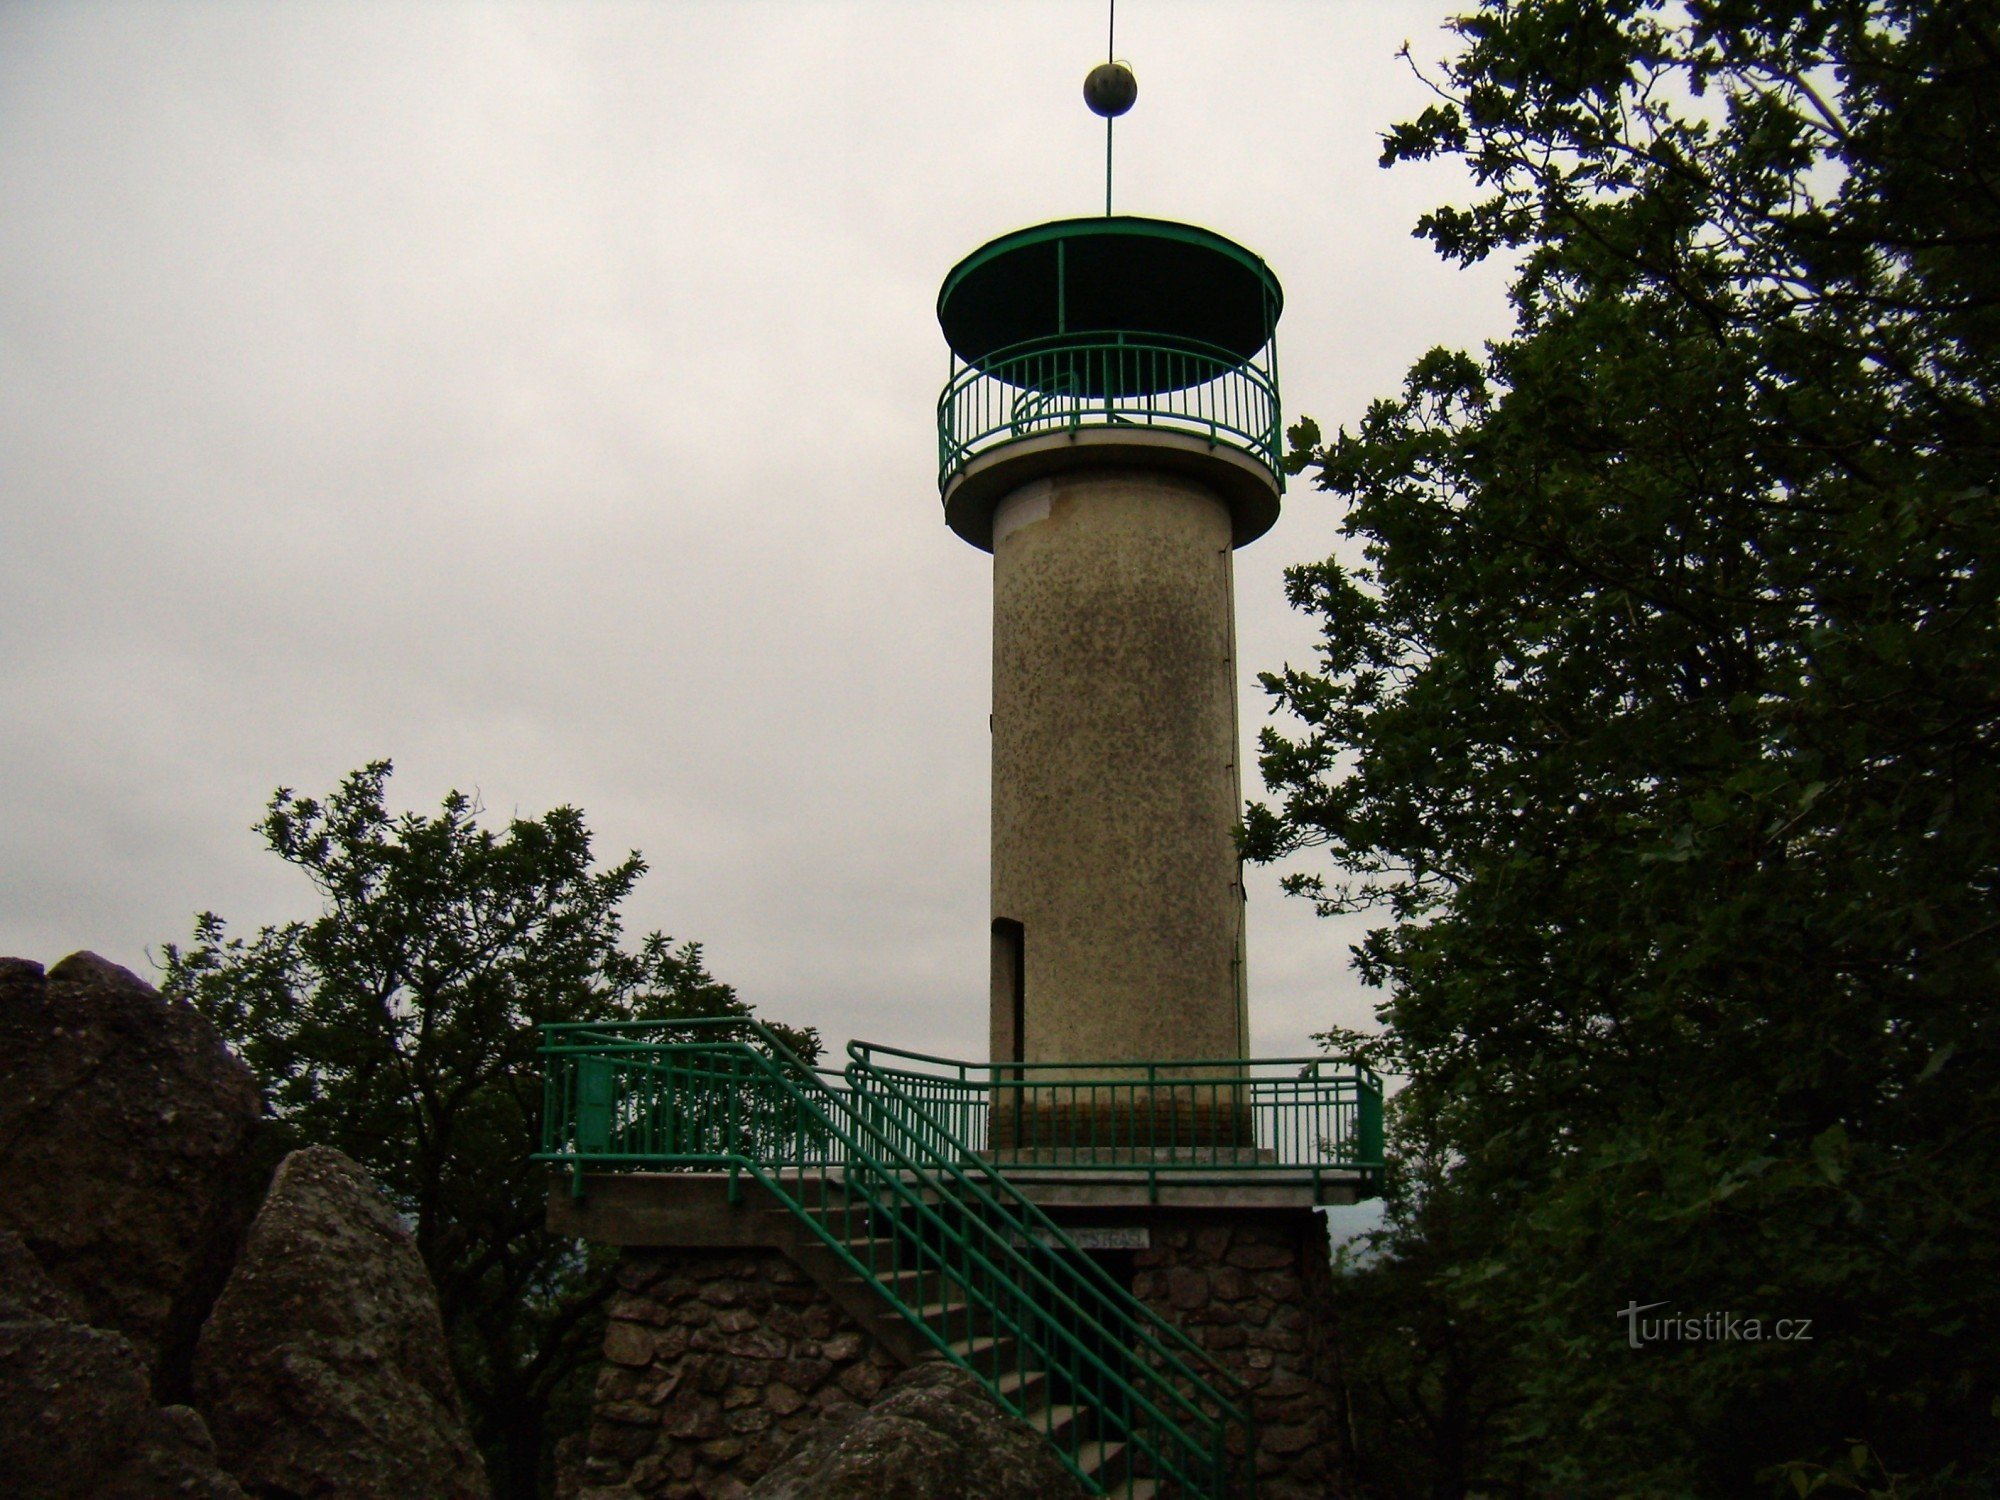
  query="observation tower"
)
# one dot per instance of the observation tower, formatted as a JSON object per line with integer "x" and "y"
{"x": 1109, "y": 1223}
{"x": 1109, "y": 432}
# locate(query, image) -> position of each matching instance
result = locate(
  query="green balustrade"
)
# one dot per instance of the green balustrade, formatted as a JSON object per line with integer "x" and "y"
{"x": 1228, "y": 1120}
{"x": 1070, "y": 381}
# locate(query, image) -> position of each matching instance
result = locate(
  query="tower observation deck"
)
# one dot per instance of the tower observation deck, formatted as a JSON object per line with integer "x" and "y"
{"x": 1074, "y": 339}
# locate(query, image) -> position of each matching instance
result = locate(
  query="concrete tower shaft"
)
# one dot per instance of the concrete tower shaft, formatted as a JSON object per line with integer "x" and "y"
{"x": 1117, "y": 901}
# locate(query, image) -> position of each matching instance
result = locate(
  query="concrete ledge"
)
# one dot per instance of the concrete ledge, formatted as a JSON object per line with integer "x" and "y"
{"x": 691, "y": 1210}
{"x": 1124, "y": 1190}
{"x": 686, "y": 1210}
{"x": 1248, "y": 488}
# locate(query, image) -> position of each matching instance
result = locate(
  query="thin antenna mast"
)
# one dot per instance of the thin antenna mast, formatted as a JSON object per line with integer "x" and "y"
{"x": 1109, "y": 91}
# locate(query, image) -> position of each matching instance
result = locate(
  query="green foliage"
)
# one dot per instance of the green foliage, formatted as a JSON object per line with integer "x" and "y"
{"x": 399, "y": 1026}
{"x": 1659, "y": 721}
{"x": 1857, "y": 1472}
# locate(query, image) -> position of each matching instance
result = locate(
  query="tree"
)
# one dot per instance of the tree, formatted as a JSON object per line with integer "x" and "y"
{"x": 400, "y": 1026}
{"x": 1659, "y": 722}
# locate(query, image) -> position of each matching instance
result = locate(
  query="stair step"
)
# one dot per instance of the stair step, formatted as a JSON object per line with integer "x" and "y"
{"x": 1023, "y": 1387}
{"x": 813, "y": 1192}
{"x": 892, "y": 1198}
{"x": 984, "y": 1351}
{"x": 1101, "y": 1457}
{"x": 1055, "y": 1422}
{"x": 879, "y": 1255}
{"x": 913, "y": 1280}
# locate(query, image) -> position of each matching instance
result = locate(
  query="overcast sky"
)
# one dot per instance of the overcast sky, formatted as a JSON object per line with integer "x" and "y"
{"x": 542, "y": 397}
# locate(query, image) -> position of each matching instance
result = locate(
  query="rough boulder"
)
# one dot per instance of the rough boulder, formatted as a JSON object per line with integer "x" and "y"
{"x": 323, "y": 1366}
{"x": 126, "y": 1148}
{"x": 933, "y": 1434}
{"x": 77, "y": 1419}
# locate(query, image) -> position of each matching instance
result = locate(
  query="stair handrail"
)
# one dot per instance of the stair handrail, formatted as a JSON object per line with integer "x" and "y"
{"x": 906, "y": 1180}
{"x": 1047, "y": 1230}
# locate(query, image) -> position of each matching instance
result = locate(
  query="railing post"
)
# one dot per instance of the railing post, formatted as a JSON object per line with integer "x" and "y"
{"x": 1369, "y": 1121}
{"x": 596, "y": 1084}
{"x": 731, "y": 1144}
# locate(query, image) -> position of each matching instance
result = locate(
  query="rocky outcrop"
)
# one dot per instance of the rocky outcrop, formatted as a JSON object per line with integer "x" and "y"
{"x": 126, "y": 1148}
{"x": 77, "y": 1418}
{"x": 323, "y": 1367}
{"x": 933, "y": 1434}
{"x": 132, "y": 1158}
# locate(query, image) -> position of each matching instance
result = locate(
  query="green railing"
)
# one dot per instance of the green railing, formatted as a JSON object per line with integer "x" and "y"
{"x": 1078, "y": 380}
{"x": 1227, "y": 1120}
{"x": 948, "y": 1243}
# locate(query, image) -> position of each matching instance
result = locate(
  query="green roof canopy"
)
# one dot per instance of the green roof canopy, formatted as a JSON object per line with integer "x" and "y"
{"x": 1172, "y": 283}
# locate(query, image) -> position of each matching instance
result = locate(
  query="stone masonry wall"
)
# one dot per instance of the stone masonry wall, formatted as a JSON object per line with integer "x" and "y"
{"x": 714, "y": 1362}
{"x": 1255, "y": 1291}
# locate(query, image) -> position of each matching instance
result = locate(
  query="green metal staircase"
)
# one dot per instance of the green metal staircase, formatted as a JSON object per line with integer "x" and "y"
{"x": 891, "y": 1198}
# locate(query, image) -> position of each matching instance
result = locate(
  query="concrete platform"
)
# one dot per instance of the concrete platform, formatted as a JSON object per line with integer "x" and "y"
{"x": 693, "y": 1210}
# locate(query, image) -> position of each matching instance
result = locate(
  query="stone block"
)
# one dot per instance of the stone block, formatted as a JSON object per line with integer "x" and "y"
{"x": 632, "y": 1307}
{"x": 693, "y": 1418}
{"x": 843, "y": 1346}
{"x": 1285, "y": 1439}
{"x": 1256, "y": 1257}
{"x": 627, "y": 1343}
{"x": 862, "y": 1381}
{"x": 758, "y": 1343}
{"x": 782, "y": 1398}
{"x": 1281, "y": 1287}
{"x": 1284, "y": 1340}
{"x": 1187, "y": 1289}
{"x": 614, "y": 1440}
{"x": 750, "y": 1420}
{"x": 805, "y": 1374}
{"x": 616, "y": 1383}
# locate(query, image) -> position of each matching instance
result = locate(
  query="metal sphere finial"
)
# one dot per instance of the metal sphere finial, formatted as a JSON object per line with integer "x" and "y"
{"x": 1110, "y": 89}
